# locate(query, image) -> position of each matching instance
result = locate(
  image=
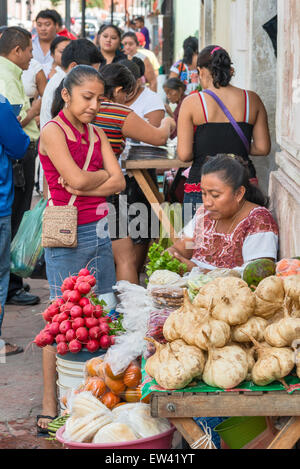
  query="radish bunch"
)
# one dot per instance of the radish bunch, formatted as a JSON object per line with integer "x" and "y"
{"x": 73, "y": 321}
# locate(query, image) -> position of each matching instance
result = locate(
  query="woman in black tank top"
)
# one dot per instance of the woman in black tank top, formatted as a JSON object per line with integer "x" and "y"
{"x": 213, "y": 137}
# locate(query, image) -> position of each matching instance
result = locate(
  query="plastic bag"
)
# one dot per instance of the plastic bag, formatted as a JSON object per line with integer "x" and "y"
{"x": 155, "y": 329}
{"x": 26, "y": 246}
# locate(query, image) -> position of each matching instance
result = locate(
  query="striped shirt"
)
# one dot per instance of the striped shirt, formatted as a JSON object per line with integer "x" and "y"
{"x": 111, "y": 119}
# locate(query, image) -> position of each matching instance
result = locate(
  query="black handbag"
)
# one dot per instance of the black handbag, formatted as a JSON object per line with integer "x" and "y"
{"x": 18, "y": 175}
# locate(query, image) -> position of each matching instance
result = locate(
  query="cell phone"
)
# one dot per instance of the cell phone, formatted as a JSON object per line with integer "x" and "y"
{"x": 17, "y": 109}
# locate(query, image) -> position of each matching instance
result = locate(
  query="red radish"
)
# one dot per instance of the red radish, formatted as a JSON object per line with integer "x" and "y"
{"x": 104, "y": 328}
{"x": 62, "y": 348}
{"x": 54, "y": 328}
{"x": 75, "y": 346}
{"x": 53, "y": 309}
{"x": 68, "y": 282}
{"x": 82, "y": 334}
{"x": 84, "y": 272}
{"x": 98, "y": 312}
{"x": 112, "y": 339}
{"x": 84, "y": 288}
{"x": 70, "y": 335}
{"x": 95, "y": 332}
{"x": 74, "y": 296}
{"x": 92, "y": 345}
{"x": 109, "y": 319}
{"x": 48, "y": 338}
{"x": 103, "y": 319}
{"x": 91, "y": 322}
{"x": 59, "y": 302}
{"x": 80, "y": 278}
{"x": 54, "y": 319}
{"x": 105, "y": 341}
{"x": 39, "y": 340}
{"x": 66, "y": 295}
{"x": 78, "y": 322}
{"x": 91, "y": 280}
{"x": 84, "y": 301}
{"x": 88, "y": 310}
{"x": 62, "y": 317}
{"x": 47, "y": 327}
{"x": 65, "y": 326}
{"x": 66, "y": 307}
{"x": 76, "y": 312}
{"x": 60, "y": 338}
{"x": 47, "y": 315}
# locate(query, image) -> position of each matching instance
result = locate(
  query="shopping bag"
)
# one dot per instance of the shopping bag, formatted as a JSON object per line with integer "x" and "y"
{"x": 26, "y": 247}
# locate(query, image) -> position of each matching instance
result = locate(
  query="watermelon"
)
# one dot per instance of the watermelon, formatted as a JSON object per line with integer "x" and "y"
{"x": 257, "y": 270}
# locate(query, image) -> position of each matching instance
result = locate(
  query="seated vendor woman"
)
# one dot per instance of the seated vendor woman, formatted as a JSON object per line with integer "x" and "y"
{"x": 233, "y": 226}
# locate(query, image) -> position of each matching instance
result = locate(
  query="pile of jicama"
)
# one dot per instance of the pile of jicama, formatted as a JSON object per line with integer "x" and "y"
{"x": 75, "y": 321}
{"x": 230, "y": 334}
{"x": 91, "y": 421}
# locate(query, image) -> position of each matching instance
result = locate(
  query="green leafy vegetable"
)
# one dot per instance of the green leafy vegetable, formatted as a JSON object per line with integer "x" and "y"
{"x": 162, "y": 260}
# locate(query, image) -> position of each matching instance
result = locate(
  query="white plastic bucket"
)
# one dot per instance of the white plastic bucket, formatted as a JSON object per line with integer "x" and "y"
{"x": 61, "y": 392}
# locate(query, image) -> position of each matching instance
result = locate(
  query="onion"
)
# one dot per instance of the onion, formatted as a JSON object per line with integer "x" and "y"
{"x": 75, "y": 346}
{"x": 82, "y": 334}
{"x": 62, "y": 348}
{"x": 105, "y": 342}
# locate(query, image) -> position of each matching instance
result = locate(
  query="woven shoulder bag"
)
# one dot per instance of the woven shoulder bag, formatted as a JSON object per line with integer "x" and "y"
{"x": 60, "y": 222}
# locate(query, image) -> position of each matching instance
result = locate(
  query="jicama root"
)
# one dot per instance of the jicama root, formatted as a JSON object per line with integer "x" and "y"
{"x": 272, "y": 364}
{"x": 174, "y": 365}
{"x": 191, "y": 324}
{"x": 285, "y": 331}
{"x": 269, "y": 297}
{"x": 226, "y": 367}
{"x": 291, "y": 287}
{"x": 254, "y": 326}
{"x": 232, "y": 300}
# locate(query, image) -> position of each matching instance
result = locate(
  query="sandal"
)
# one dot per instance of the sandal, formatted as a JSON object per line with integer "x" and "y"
{"x": 13, "y": 352}
{"x": 41, "y": 430}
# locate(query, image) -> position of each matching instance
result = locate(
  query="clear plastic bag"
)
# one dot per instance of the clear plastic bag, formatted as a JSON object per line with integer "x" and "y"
{"x": 26, "y": 246}
{"x": 155, "y": 329}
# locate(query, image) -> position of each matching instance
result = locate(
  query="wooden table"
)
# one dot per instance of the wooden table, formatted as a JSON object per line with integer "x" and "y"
{"x": 138, "y": 169}
{"x": 181, "y": 407}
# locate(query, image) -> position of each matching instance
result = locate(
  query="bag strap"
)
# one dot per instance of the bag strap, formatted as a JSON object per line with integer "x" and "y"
{"x": 86, "y": 164}
{"x": 231, "y": 119}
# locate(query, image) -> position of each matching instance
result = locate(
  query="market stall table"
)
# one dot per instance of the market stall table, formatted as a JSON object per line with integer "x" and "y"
{"x": 181, "y": 407}
{"x": 138, "y": 169}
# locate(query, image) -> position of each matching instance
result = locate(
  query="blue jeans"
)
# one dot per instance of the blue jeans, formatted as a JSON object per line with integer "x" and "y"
{"x": 191, "y": 203}
{"x": 93, "y": 249}
{"x": 5, "y": 238}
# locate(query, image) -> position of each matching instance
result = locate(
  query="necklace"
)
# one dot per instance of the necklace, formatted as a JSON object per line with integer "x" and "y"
{"x": 233, "y": 220}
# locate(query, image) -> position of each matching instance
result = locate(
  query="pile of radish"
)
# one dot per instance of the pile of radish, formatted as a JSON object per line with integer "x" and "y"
{"x": 73, "y": 321}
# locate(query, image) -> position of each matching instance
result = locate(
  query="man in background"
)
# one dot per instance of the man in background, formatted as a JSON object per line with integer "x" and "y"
{"x": 13, "y": 145}
{"x": 140, "y": 25}
{"x": 15, "y": 56}
{"x": 47, "y": 27}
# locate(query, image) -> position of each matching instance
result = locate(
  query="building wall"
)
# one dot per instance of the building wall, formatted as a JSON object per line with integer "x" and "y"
{"x": 186, "y": 17}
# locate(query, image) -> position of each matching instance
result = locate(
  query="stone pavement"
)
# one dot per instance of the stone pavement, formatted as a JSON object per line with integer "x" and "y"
{"x": 21, "y": 381}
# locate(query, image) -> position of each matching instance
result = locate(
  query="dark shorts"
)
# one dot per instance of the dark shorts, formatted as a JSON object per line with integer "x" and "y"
{"x": 130, "y": 213}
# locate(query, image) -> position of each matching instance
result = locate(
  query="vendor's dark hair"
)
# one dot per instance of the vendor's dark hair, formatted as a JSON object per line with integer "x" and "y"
{"x": 115, "y": 75}
{"x": 104, "y": 27}
{"x": 74, "y": 78}
{"x": 218, "y": 62}
{"x": 12, "y": 37}
{"x": 133, "y": 67}
{"x": 233, "y": 171}
{"x": 57, "y": 41}
{"x": 190, "y": 47}
{"x": 175, "y": 84}
{"x": 132, "y": 35}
